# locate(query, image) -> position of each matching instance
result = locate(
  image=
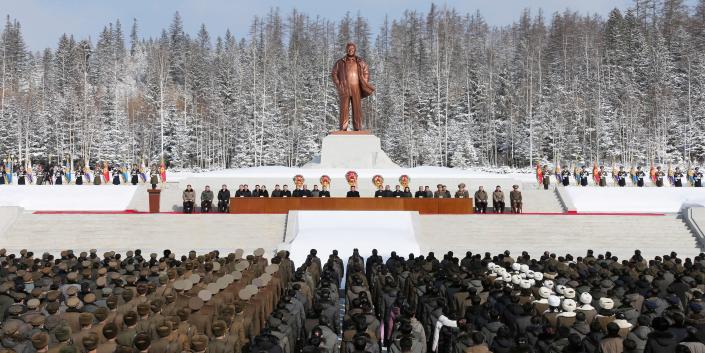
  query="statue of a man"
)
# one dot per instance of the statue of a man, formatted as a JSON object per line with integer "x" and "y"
{"x": 351, "y": 76}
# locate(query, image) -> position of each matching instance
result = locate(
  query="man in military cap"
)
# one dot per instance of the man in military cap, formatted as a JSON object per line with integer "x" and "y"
{"x": 141, "y": 342}
{"x": 109, "y": 331}
{"x": 220, "y": 342}
{"x": 498, "y": 200}
{"x": 515, "y": 199}
{"x": 128, "y": 333}
{"x": 199, "y": 343}
{"x": 89, "y": 343}
{"x": 62, "y": 335}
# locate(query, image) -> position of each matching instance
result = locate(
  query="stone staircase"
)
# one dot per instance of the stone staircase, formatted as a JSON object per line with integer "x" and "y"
{"x": 541, "y": 201}
{"x": 653, "y": 235}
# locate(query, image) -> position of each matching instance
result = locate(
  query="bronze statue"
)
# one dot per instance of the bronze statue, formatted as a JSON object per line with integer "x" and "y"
{"x": 351, "y": 75}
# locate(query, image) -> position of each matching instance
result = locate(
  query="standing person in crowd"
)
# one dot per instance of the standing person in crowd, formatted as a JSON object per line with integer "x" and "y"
{"x": 698, "y": 178}
{"x": 481, "y": 200}
{"x": 498, "y": 200}
{"x": 420, "y": 194}
{"x": 584, "y": 176}
{"x": 407, "y": 193}
{"x": 622, "y": 177}
{"x": 206, "y": 200}
{"x": 678, "y": 178}
{"x": 98, "y": 174}
{"x": 603, "y": 176}
{"x": 154, "y": 176}
{"x": 659, "y": 177}
{"x": 223, "y": 199}
{"x": 22, "y": 176}
{"x": 49, "y": 175}
{"x": 135, "y": 174}
{"x": 640, "y": 175}
{"x": 3, "y": 174}
{"x": 189, "y": 198}
{"x": 116, "y": 174}
{"x": 315, "y": 192}
{"x": 58, "y": 175}
{"x": 40, "y": 178}
{"x": 515, "y": 199}
{"x": 565, "y": 176}
{"x": 285, "y": 191}
{"x": 79, "y": 175}
{"x": 462, "y": 193}
{"x": 324, "y": 192}
{"x": 353, "y": 192}
{"x": 546, "y": 177}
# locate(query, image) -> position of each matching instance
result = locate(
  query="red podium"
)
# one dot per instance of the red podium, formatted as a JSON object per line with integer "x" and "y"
{"x": 154, "y": 200}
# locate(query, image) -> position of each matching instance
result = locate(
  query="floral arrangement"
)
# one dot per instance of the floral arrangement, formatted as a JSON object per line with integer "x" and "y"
{"x": 404, "y": 181}
{"x": 351, "y": 178}
{"x": 298, "y": 180}
{"x": 325, "y": 181}
{"x": 378, "y": 180}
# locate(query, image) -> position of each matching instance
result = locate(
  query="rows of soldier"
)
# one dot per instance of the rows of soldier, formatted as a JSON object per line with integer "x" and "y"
{"x": 85, "y": 303}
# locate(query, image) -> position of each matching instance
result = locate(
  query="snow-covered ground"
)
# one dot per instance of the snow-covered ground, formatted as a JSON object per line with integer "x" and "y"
{"x": 68, "y": 197}
{"x": 314, "y": 174}
{"x": 326, "y": 231}
{"x": 639, "y": 200}
{"x": 123, "y": 197}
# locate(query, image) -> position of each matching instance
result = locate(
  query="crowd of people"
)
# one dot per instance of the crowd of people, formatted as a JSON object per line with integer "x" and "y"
{"x": 224, "y": 195}
{"x": 101, "y": 174}
{"x": 619, "y": 176}
{"x": 480, "y": 303}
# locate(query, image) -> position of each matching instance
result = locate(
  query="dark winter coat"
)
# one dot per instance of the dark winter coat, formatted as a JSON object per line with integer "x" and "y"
{"x": 661, "y": 342}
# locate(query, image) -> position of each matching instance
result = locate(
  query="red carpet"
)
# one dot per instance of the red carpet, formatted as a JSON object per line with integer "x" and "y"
{"x": 476, "y": 214}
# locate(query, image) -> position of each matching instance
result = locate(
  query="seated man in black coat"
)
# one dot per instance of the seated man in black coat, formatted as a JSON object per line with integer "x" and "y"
{"x": 277, "y": 192}
{"x": 285, "y": 191}
{"x": 306, "y": 192}
{"x": 397, "y": 192}
{"x": 420, "y": 194}
{"x": 297, "y": 192}
{"x": 353, "y": 192}
{"x": 223, "y": 199}
{"x": 324, "y": 192}
{"x": 247, "y": 191}
{"x": 379, "y": 192}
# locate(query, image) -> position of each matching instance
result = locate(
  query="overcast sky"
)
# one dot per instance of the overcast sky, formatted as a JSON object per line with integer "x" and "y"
{"x": 43, "y": 21}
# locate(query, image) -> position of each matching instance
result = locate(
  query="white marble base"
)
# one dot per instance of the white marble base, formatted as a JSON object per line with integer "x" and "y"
{"x": 353, "y": 151}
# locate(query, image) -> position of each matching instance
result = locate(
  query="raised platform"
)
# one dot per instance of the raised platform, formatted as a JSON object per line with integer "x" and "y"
{"x": 352, "y": 149}
{"x": 344, "y": 231}
{"x": 254, "y": 205}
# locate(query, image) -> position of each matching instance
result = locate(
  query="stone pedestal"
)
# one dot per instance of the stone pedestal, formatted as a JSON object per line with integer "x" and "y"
{"x": 154, "y": 200}
{"x": 353, "y": 150}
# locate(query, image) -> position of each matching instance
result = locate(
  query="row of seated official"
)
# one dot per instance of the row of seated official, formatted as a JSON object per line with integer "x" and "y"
{"x": 223, "y": 197}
